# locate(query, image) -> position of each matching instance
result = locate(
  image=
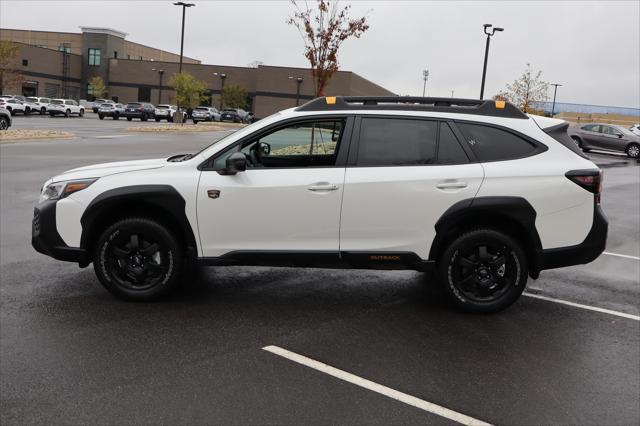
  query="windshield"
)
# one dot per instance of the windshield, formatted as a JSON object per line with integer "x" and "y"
{"x": 624, "y": 130}
{"x": 57, "y": 102}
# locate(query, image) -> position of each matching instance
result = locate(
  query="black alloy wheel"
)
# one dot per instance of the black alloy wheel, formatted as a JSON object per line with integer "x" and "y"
{"x": 138, "y": 259}
{"x": 4, "y": 123}
{"x": 483, "y": 271}
{"x": 633, "y": 150}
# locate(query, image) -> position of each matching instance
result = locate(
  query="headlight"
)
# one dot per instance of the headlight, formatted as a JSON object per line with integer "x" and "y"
{"x": 58, "y": 190}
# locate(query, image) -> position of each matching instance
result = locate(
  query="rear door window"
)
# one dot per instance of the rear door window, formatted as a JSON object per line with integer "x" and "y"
{"x": 449, "y": 149}
{"x": 494, "y": 144}
{"x": 396, "y": 142}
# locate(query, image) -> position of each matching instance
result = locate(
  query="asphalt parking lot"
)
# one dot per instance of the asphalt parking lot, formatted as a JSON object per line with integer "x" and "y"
{"x": 70, "y": 353}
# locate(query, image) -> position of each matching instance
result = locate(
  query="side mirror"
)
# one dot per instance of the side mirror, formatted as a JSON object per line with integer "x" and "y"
{"x": 236, "y": 162}
{"x": 619, "y": 135}
{"x": 265, "y": 148}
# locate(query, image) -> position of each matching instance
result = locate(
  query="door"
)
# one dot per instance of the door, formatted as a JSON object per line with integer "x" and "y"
{"x": 406, "y": 174}
{"x": 289, "y": 197}
{"x": 590, "y": 135}
{"x": 611, "y": 138}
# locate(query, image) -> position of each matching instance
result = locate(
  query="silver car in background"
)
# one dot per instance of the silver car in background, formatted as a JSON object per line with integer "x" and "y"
{"x": 608, "y": 137}
{"x": 165, "y": 112}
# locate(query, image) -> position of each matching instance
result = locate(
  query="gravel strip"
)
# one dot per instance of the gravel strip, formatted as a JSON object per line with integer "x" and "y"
{"x": 187, "y": 127}
{"x": 12, "y": 135}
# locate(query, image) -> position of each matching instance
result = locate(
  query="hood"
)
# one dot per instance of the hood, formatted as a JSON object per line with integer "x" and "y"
{"x": 105, "y": 169}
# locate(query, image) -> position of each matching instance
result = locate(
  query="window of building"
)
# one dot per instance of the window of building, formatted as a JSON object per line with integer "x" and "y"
{"x": 51, "y": 90}
{"x": 94, "y": 57}
{"x": 144, "y": 94}
{"x": 312, "y": 144}
{"x": 63, "y": 48}
{"x": 140, "y": 57}
{"x": 115, "y": 54}
{"x": 493, "y": 144}
{"x": 25, "y": 62}
{"x": 449, "y": 149}
{"x": 396, "y": 142}
{"x": 128, "y": 56}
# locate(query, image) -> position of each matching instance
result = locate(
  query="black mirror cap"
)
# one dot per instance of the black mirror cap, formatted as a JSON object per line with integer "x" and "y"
{"x": 236, "y": 162}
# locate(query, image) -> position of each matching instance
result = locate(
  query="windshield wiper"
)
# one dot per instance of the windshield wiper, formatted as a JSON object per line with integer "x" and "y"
{"x": 180, "y": 157}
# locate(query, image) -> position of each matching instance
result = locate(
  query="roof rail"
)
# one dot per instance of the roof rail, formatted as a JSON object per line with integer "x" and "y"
{"x": 410, "y": 103}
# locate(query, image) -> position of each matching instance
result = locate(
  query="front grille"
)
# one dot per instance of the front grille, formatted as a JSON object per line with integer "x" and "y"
{"x": 36, "y": 222}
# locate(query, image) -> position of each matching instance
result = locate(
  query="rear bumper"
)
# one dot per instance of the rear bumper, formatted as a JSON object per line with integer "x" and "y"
{"x": 45, "y": 238}
{"x": 585, "y": 252}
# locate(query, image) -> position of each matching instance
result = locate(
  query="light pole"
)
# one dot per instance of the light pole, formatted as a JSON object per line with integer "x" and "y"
{"x": 160, "y": 73}
{"x": 222, "y": 77}
{"x": 555, "y": 90}
{"x": 489, "y": 31}
{"x": 184, "y": 8}
{"x": 425, "y": 76}
{"x": 299, "y": 83}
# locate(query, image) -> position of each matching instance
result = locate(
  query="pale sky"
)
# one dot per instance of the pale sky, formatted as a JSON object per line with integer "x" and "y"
{"x": 591, "y": 47}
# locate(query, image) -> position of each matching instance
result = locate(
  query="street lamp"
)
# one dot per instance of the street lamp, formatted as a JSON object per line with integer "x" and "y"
{"x": 222, "y": 77}
{"x": 555, "y": 90}
{"x": 184, "y": 7}
{"x": 299, "y": 83}
{"x": 425, "y": 76}
{"x": 489, "y": 31}
{"x": 160, "y": 73}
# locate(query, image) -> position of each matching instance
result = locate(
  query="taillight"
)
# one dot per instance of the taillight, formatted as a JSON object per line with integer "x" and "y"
{"x": 591, "y": 180}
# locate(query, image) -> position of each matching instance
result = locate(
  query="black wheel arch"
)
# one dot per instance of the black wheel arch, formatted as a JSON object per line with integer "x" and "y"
{"x": 514, "y": 216}
{"x": 162, "y": 203}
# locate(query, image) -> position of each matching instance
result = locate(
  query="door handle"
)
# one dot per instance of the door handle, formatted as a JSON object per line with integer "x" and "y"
{"x": 322, "y": 186}
{"x": 452, "y": 185}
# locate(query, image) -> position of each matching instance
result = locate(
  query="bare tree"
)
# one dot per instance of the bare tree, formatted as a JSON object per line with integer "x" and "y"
{"x": 10, "y": 75}
{"x": 323, "y": 31}
{"x": 526, "y": 91}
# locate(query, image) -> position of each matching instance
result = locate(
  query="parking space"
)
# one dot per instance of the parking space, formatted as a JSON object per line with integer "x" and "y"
{"x": 375, "y": 347}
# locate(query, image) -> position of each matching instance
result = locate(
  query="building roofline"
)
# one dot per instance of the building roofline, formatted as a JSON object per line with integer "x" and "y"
{"x": 45, "y": 48}
{"x": 104, "y": 30}
{"x": 39, "y": 31}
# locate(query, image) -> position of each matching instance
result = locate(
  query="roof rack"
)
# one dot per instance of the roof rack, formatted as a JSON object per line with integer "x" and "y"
{"x": 410, "y": 103}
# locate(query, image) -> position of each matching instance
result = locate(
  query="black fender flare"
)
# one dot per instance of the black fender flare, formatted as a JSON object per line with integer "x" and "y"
{"x": 165, "y": 198}
{"x": 516, "y": 210}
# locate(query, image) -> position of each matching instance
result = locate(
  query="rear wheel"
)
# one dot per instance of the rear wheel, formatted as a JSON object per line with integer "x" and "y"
{"x": 129, "y": 118}
{"x": 633, "y": 150}
{"x": 67, "y": 113}
{"x": 483, "y": 271}
{"x": 144, "y": 117}
{"x": 157, "y": 120}
{"x": 81, "y": 113}
{"x": 43, "y": 111}
{"x": 4, "y": 123}
{"x": 101, "y": 117}
{"x": 116, "y": 116}
{"x": 138, "y": 259}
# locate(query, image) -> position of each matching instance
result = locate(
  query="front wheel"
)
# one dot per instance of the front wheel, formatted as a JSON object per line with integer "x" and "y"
{"x": 81, "y": 113}
{"x": 129, "y": 118}
{"x": 43, "y": 111}
{"x": 67, "y": 113}
{"x": 157, "y": 120}
{"x": 633, "y": 150}
{"x": 101, "y": 117}
{"x": 138, "y": 259}
{"x": 4, "y": 123}
{"x": 483, "y": 271}
{"x": 143, "y": 118}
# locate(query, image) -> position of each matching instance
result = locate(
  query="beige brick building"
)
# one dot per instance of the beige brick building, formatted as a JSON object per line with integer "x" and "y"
{"x": 56, "y": 64}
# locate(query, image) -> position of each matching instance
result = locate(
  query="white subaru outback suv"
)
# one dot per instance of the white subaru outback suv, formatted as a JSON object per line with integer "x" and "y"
{"x": 475, "y": 191}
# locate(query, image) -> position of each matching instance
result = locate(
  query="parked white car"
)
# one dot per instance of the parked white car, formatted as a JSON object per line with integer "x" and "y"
{"x": 65, "y": 107}
{"x": 11, "y": 104}
{"x": 38, "y": 104}
{"x": 165, "y": 112}
{"x": 635, "y": 129}
{"x": 477, "y": 192}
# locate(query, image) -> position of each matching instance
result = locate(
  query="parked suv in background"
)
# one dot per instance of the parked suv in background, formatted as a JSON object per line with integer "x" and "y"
{"x": 475, "y": 191}
{"x": 5, "y": 119}
{"x": 40, "y": 104}
{"x": 235, "y": 115}
{"x": 110, "y": 110}
{"x": 13, "y": 105}
{"x": 204, "y": 113}
{"x": 165, "y": 112}
{"x": 608, "y": 137}
{"x": 141, "y": 110}
{"x": 95, "y": 105}
{"x": 66, "y": 107}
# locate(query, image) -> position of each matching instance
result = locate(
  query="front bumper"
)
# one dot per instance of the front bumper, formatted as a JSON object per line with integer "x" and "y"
{"x": 45, "y": 238}
{"x": 582, "y": 253}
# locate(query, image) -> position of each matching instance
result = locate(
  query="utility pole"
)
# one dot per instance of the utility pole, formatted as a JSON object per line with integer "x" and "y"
{"x": 555, "y": 90}
{"x": 487, "y": 28}
{"x": 222, "y": 77}
{"x": 425, "y": 76}
{"x": 160, "y": 73}
{"x": 184, "y": 8}
{"x": 298, "y": 83}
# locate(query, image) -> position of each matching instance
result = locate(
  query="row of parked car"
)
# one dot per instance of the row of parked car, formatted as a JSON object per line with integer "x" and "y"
{"x": 146, "y": 111}
{"x": 17, "y": 104}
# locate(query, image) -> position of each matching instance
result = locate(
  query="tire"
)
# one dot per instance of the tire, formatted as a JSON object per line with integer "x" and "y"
{"x": 195, "y": 121}
{"x": 101, "y": 117}
{"x": 11, "y": 111}
{"x": 157, "y": 120}
{"x": 633, "y": 150}
{"x": 81, "y": 113}
{"x": 129, "y": 118}
{"x": 43, "y": 111}
{"x": 27, "y": 110}
{"x": 125, "y": 265}
{"x": 116, "y": 116}
{"x": 4, "y": 123}
{"x": 472, "y": 273}
{"x": 143, "y": 118}
{"x": 67, "y": 113}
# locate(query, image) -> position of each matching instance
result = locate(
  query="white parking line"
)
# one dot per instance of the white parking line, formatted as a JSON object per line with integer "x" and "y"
{"x": 375, "y": 387}
{"x": 587, "y": 307}
{"x": 626, "y": 256}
